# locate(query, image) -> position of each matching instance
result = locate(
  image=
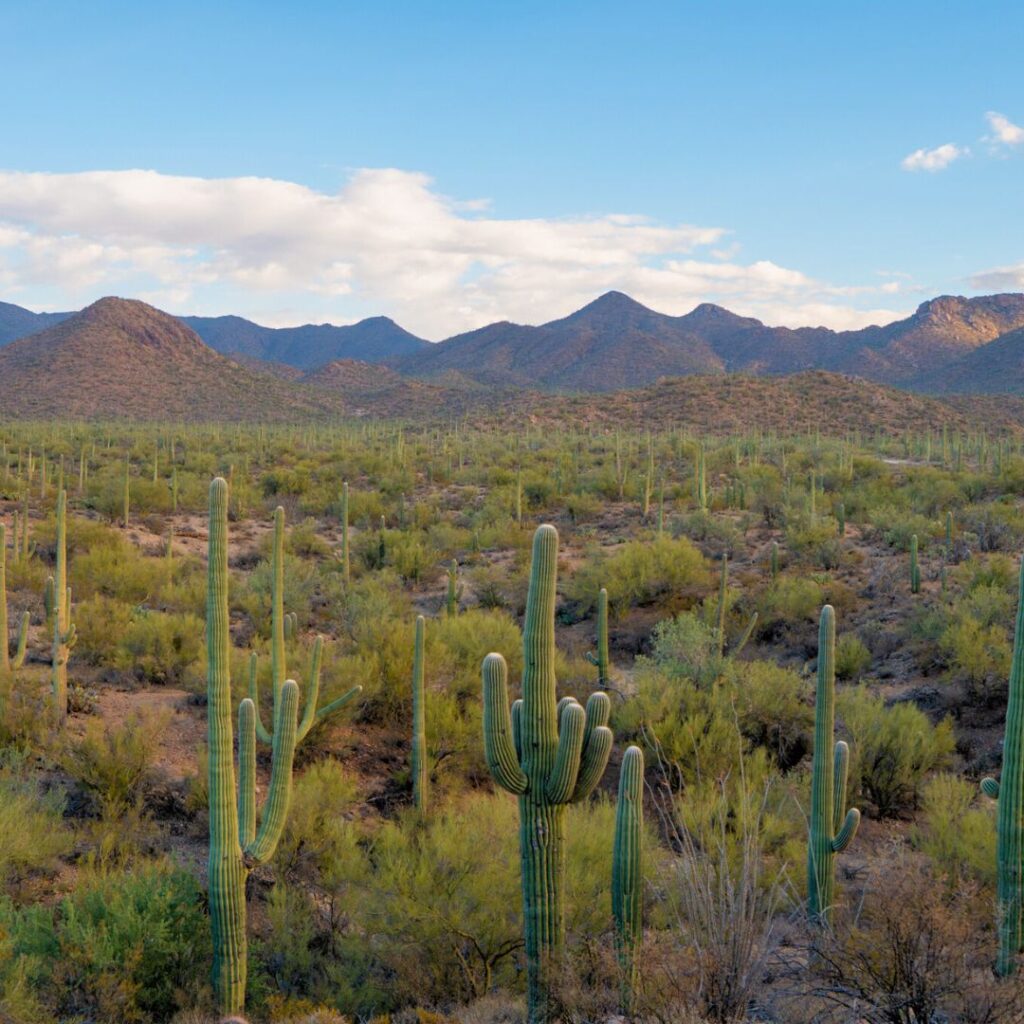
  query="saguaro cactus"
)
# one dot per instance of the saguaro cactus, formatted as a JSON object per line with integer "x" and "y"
{"x": 454, "y": 594}
{"x": 236, "y": 846}
{"x": 344, "y": 532}
{"x": 63, "y": 629}
{"x": 775, "y": 559}
{"x": 284, "y": 627}
{"x": 1009, "y": 793}
{"x": 831, "y": 826}
{"x": 601, "y": 659}
{"x": 6, "y": 661}
{"x": 915, "y": 568}
{"x": 420, "y": 775}
{"x": 549, "y": 753}
{"x": 627, "y": 871}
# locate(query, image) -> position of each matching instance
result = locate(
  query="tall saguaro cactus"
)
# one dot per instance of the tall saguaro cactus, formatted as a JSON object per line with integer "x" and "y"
{"x": 236, "y": 846}
{"x": 548, "y": 752}
{"x": 420, "y": 776}
{"x": 627, "y": 870}
{"x": 1009, "y": 794}
{"x": 831, "y": 826}
{"x": 63, "y": 629}
{"x": 601, "y": 659}
{"x": 344, "y": 532}
{"x": 915, "y": 568}
{"x": 283, "y": 627}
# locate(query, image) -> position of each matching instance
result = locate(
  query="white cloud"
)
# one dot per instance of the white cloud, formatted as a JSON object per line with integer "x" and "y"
{"x": 1007, "y": 278}
{"x": 386, "y": 242}
{"x": 933, "y": 159}
{"x": 1004, "y": 130}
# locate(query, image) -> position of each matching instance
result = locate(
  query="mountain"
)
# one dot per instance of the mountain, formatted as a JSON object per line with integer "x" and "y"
{"x": 613, "y": 342}
{"x": 121, "y": 358}
{"x": 373, "y": 340}
{"x": 369, "y": 389}
{"x": 16, "y": 322}
{"x": 994, "y": 368}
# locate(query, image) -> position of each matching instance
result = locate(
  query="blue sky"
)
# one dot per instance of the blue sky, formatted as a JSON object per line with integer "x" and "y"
{"x": 453, "y": 163}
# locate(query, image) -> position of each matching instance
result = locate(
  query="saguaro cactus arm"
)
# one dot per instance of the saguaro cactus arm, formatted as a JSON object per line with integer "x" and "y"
{"x": 562, "y": 780}
{"x": 500, "y": 751}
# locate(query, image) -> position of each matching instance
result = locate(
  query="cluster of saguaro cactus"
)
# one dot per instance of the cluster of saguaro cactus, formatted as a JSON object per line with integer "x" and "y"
{"x": 600, "y": 660}
{"x": 283, "y": 628}
{"x": 831, "y": 826}
{"x": 419, "y": 766}
{"x": 915, "y": 568}
{"x": 627, "y": 871}
{"x": 548, "y": 752}
{"x": 6, "y": 661}
{"x": 1009, "y": 794}
{"x": 63, "y": 628}
{"x": 454, "y": 592}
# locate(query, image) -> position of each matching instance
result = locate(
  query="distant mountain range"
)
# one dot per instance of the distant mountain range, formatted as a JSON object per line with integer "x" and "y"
{"x": 120, "y": 358}
{"x": 950, "y": 344}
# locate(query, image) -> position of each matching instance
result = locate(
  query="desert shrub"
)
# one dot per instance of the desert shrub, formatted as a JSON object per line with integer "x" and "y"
{"x": 162, "y": 648}
{"x": 32, "y": 832}
{"x": 815, "y": 541}
{"x": 119, "y": 571}
{"x": 895, "y": 527}
{"x": 100, "y": 625}
{"x": 978, "y": 655}
{"x": 790, "y": 600}
{"x": 893, "y": 749}
{"x": 998, "y": 527}
{"x": 853, "y": 658}
{"x": 956, "y": 829}
{"x": 685, "y": 647}
{"x": 639, "y": 573}
{"x": 113, "y": 762}
{"x": 913, "y": 952}
{"x": 123, "y": 947}
{"x": 300, "y": 584}
{"x": 719, "y": 536}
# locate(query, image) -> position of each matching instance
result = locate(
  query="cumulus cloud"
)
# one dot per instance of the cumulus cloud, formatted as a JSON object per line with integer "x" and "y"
{"x": 1006, "y": 278}
{"x": 933, "y": 159}
{"x": 1004, "y": 130}
{"x": 386, "y": 242}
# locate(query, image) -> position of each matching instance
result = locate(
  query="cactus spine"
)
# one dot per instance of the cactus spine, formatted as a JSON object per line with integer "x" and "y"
{"x": 236, "y": 846}
{"x": 831, "y": 826}
{"x": 63, "y": 629}
{"x": 601, "y": 659}
{"x": 627, "y": 871}
{"x": 548, "y": 752}
{"x": 420, "y": 777}
{"x": 1009, "y": 794}
{"x": 915, "y": 568}
{"x": 284, "y": 627}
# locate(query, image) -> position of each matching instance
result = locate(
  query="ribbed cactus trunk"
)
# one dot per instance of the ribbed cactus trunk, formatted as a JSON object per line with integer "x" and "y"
{"x": 831, "y": 827}
{"x": 601, "y": 659}
{"x": 549, "y": 753}
{"x": 420, "y": 776}
{"x": 63, "y": 630}
{"x": 627, "y": 872}
{"x": 236, "y": 846}
{"x": 1009, "y": 792}
{"x": 344, "y": 532}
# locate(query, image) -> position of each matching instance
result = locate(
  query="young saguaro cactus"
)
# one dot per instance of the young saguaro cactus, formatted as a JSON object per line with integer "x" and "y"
{"x": 1009, "y": 794}
{"x": 454, "y": 594}
{"x": 420, "y": 775}
{"x": 284, "y": 627}
{"x": 600, "y": 660}
{"x": 63, "y": 629}
{"x": 831, "y": 826}
{"x": 915, "y": 568}
{"x": 549, "y": 753}
{"x": 627, "y": 871}
{"x": 236, "y": 846}
{"x": 344, "y": 532}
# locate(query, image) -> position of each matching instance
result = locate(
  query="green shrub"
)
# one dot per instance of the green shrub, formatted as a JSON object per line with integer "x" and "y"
{"x": 956, "y": 830}
{"x": 853, "y": 658}
{"x": 32, "y": 832}
{"x": 893, "y": 749}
